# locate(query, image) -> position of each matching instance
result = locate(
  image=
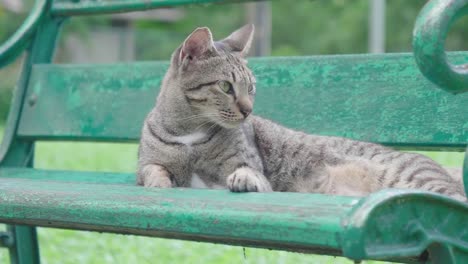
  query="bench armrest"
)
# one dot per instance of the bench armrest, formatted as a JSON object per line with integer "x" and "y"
{"x": 15, "y": 45}
{"x": 430, "y": 32}
{"x": 400, "y": 223}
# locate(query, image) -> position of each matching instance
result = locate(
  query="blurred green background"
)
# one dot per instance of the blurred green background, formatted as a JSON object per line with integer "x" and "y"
{"x": 300, "y": 27}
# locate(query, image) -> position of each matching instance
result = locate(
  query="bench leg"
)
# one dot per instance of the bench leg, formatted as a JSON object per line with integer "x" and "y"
{"x": 446, "y": 254}
{"x": 25, "y": 249}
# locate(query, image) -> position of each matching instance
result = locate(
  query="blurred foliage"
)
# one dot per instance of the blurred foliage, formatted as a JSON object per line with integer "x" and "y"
{"x": 9, "y": 22}
{"x": 302, "y": 27}
{"x": 157, "y": 40}
{"x": 320, "y": 27}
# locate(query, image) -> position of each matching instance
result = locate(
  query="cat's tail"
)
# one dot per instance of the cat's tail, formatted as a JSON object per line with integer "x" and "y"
{"x": 357, "y": 178}
{"x": 457, "y": 175}
{"x": 360, "y": 178}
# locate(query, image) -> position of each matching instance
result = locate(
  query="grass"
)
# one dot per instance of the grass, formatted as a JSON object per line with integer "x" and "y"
{"x": 66, "y": 246}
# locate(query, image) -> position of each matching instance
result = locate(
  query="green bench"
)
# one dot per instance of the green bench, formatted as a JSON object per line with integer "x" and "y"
{"x": 330, "y": 95}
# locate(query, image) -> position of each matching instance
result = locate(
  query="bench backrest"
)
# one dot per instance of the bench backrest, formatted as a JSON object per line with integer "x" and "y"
{"x": 378, "y": 98}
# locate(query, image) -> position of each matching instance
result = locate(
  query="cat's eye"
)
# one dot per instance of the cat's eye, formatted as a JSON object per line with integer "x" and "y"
{"x": 251, "y": 89}
{"x": 226, "y": 87}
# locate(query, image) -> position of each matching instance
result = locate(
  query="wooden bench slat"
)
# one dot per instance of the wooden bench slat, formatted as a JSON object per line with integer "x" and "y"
{"x": 379, "y": 98}
{"x": 292, "y": 221}
{"x": 68, "y": 176}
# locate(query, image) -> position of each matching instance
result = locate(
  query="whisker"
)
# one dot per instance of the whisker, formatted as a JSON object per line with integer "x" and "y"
{"x": 203, "y": 124}
{"x": 199, "y": 116}
{"x": 210, "y": 128}
{"x": 207, "y": 122}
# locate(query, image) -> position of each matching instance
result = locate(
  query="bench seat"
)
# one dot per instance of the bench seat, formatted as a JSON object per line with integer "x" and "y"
{"x": 380, "y": 226}
{"x": 67, "y": 176}
{"x": 214, "y": 215}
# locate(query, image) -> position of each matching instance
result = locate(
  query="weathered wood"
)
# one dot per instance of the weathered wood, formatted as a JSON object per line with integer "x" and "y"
{"x": 379, "y": 98}
{"x": 68, "y": 176}
{"x": 290, "y": 221}
{"x": 375, "y": 227}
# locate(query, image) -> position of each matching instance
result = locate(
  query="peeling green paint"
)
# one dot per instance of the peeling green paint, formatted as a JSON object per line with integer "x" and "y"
{"x": 379, "y": 219}
{"x": 379, "y": 98}
{"x": 376, "y": 227}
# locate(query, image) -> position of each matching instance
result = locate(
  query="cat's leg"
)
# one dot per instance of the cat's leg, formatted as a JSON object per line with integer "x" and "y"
{"x": 245, "y": 179}
{"x": 153, "y": 175}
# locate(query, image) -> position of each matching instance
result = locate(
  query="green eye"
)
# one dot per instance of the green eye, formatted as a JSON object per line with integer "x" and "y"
{"x": 251, "y": 89}
{"x": 226, "y": 87}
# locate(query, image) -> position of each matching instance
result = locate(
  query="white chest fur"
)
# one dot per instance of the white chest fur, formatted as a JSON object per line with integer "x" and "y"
{"x": 189, "y": 139}
{"x": 197, "y": 182}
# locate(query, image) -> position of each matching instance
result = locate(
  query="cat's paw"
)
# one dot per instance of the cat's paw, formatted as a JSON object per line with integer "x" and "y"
{"x": 247, "y": 180}
{"x": 156, "y": 176}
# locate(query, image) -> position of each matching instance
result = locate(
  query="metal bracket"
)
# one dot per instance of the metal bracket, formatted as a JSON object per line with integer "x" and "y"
{"x": 7, "y": 239}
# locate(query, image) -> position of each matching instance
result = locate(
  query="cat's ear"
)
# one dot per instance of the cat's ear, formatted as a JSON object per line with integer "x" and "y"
{"x": 241, "y": 39}
{"x": 197, "y": 44}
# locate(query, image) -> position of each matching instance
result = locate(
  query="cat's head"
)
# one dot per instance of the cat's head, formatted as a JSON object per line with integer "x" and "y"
{"x": 214, "y": 77}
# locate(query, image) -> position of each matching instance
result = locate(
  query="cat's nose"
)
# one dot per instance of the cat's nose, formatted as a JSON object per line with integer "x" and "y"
{"x": 245, "y": 107}
{"x": 246, "y": 112}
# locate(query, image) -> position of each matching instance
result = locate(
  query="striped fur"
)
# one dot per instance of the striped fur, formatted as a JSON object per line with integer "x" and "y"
{"x": 201, "y": 127}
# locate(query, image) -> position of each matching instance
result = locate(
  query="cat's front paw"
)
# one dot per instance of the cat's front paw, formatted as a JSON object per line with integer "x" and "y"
{"x": 247, "y": 180}
{"x": 156, "y": 176}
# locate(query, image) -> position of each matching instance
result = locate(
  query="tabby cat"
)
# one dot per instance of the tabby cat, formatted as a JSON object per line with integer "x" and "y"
{"x": 201, "y": 133}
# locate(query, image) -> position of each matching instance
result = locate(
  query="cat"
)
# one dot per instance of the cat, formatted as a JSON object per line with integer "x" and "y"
{"x": 202, "y": 133}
